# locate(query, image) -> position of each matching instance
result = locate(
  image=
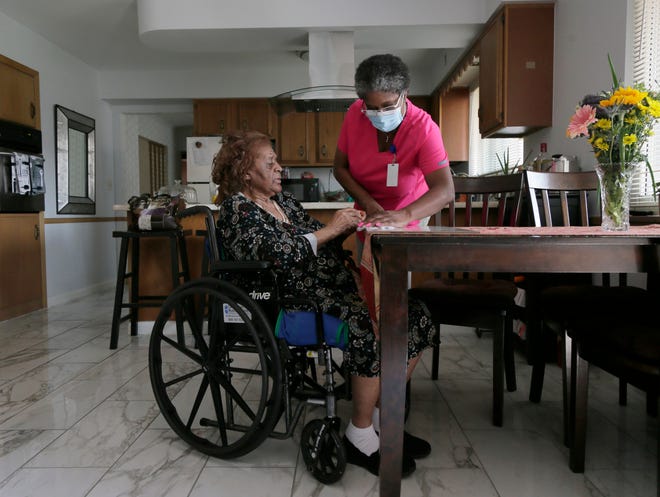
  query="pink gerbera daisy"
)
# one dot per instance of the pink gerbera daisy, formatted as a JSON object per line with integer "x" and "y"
{"x": 579, "y": 125}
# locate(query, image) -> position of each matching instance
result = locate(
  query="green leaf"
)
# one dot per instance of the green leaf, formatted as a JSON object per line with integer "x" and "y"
{"x": 615, "y": 79}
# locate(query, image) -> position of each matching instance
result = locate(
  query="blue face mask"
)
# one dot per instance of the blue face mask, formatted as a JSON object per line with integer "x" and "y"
{"x": 386, "y": 121}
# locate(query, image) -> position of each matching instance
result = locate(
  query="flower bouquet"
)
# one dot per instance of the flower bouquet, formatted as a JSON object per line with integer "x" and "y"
{"x": 617, "y": 124}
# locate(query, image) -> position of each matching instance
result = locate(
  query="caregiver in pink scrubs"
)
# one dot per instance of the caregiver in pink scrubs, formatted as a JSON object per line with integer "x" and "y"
{"x": 390, "y": 157}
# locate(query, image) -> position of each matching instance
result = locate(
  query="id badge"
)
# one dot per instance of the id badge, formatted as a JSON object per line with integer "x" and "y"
{"x": 392, "y": 174}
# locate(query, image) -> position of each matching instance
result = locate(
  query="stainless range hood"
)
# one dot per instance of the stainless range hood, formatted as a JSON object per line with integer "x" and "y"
{"x": 331, "y": 72}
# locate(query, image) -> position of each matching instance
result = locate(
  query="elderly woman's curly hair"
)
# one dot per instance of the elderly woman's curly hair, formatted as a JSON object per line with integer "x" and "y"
{"x": 234, "y": 160}
{"x": 386, "y": 73}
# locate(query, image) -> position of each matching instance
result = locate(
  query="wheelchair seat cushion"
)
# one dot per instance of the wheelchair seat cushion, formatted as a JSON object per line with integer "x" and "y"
{"x": 299, "y": 328}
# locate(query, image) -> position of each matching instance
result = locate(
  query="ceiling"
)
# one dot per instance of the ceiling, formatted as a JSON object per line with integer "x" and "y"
{"x": 106, "y": 35}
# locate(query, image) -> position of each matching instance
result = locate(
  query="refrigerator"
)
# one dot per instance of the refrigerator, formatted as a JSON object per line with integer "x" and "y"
{"x": 200, "y": 151}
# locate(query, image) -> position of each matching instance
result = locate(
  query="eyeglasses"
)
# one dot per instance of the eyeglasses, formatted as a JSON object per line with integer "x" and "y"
{"x": 376, "y": 112}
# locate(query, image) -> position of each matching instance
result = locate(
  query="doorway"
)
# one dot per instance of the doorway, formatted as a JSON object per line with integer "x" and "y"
{"x": 153, "y": 165}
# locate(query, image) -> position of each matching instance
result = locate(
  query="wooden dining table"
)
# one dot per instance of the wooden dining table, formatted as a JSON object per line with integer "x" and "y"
{"x": 394, "y": 252}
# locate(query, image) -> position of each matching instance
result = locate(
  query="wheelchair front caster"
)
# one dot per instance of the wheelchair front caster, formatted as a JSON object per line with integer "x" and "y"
{"x": 323, "y": 451}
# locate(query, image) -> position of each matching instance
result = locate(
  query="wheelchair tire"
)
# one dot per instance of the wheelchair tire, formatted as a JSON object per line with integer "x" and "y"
{"x": 221, "y": 390}
{"x": 323, "y": 451}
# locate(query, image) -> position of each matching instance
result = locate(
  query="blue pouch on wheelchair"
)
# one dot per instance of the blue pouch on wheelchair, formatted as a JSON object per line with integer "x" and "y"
{"x": 299, "y": 328}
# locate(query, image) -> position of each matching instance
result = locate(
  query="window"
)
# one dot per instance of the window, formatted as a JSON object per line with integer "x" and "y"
{"x": 484, "y": 152}
{"x": 646, "y": 70}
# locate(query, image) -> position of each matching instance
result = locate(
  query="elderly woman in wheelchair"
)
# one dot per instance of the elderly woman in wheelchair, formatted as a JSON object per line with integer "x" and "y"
{"x": 263, "y": 230}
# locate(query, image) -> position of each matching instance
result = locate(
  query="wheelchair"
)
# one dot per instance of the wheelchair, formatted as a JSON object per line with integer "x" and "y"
{"x": 230, "y": 383}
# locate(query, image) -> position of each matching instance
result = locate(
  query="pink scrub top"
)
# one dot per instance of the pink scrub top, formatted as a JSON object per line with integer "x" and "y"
{"x": 417, "y": 148}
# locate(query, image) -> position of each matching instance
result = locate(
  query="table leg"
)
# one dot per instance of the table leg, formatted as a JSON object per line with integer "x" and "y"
{"x": 394, "y": 347}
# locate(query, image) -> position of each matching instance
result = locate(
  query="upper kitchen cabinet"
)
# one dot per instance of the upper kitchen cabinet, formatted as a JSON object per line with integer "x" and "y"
{"x": 516, "y": 70}
{"x": 308, "y": 138}
{"x": 256, "y": 114}
{"x": 328, "y": 125}
{"x": 294, "y": 141}
{"x": 454, "y": 123}
{"x": 215, "y": 116}
{"x": 19, "y": 93}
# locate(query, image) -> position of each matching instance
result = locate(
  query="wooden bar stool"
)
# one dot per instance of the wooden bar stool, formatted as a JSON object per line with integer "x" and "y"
{"x": 178, "y": 268}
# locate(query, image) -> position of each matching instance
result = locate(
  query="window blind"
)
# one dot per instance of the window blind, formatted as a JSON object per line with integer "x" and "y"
{"x": 646, "y": 70}
{"x": 484, "y": 152}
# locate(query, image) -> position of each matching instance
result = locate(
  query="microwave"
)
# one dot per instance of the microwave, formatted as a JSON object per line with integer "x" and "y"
{"x": 304, "y": 189}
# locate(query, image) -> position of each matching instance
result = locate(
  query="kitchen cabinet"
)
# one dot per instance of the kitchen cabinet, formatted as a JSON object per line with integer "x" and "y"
{"x": 216, "y": 116}
{"x": 328, "y": 126}
{"x": 422, "y": 101}
{"x": 19, "y": 93}
{"x": 295, "y": 138}
{"x": 309, "y": 138}
{"x": 22, "y": 265}
{"x": 516, "y": 70}
{"x": 454, "y": 123}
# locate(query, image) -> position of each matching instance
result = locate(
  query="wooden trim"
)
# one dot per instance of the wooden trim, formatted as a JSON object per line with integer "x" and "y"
{"x": 42, "y": 242}
{"x": 69, "y": 220}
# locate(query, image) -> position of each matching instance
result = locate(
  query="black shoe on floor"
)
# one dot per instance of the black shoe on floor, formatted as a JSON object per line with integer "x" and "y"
{"x": 372, "y": 463}
{"x": 415, "y": 447}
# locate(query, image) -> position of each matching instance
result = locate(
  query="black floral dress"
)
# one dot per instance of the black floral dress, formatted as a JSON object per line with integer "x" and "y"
{"x": 247, "y": 232}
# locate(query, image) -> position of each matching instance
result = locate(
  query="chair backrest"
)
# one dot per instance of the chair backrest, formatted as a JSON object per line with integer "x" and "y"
{"x": 577, "y": 184}
{"x": 566, "y": 186}
{"x": 505, "y": 191}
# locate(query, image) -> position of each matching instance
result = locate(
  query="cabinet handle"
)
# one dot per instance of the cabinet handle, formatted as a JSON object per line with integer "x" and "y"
{"x": 36, "y": 232}
{"x": 244, "y": 125}
{"x": 33, "y": 110}
{"x": 301, "y": 151}
{"x": 221, "y": 125}
{"x": 324, "y": 150}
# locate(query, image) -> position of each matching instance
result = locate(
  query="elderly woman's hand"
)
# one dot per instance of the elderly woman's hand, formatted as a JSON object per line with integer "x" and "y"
{"x": 346, "y": 220}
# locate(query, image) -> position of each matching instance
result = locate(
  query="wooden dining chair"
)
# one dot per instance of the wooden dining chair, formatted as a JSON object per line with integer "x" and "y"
{"x": 626, "y": 346}
{"x": 474, "y": 300}
{"x": 552, "y": 304}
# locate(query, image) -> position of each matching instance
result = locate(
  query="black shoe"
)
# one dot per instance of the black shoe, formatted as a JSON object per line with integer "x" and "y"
{"x": 372, "y": 463}
{"x": 415, "y": 447}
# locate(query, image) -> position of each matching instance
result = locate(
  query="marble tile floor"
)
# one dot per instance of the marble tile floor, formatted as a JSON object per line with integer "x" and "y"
{"x": 78, "y": 419}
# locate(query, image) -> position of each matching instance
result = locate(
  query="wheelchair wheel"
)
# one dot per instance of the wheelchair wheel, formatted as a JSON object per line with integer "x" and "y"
{"x": 323, "y": 451}
{"x": 221, "y": 390}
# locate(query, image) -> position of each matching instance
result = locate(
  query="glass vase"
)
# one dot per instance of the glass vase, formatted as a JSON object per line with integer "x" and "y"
{"x": 615, "y": 184}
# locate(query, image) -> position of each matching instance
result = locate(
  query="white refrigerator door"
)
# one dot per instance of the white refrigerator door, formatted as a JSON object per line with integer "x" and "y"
{"x": 200, "y": 151}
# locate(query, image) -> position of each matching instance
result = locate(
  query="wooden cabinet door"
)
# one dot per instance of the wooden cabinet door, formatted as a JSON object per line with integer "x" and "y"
{"x": 22, "y": 285}
{"x": 294, "y": 141}
{"x": 454, "y": 119}
{"x": 214, "y": 116}
{"x": 19, "y": 93}
{"x": 255, "y": 114}
{"x": 328, "y": 125}
{"x": 491, "y": 67}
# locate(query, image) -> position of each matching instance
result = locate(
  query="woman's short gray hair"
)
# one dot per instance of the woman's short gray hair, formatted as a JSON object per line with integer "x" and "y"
{"x": 386, "y": 73}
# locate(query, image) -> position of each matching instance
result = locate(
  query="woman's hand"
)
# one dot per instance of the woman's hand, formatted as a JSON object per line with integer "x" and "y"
{"x": 346, "y": 220}
{"x": 399, "y": 218}
{"x": 343, "y": 221}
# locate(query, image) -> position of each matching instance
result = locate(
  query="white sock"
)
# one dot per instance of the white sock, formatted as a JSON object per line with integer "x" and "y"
{"x": 375, "y": 419}
{"x": 364, "y": 439}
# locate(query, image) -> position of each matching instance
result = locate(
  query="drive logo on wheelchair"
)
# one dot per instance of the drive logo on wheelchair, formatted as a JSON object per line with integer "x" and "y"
{"x": 231, "y": 315}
